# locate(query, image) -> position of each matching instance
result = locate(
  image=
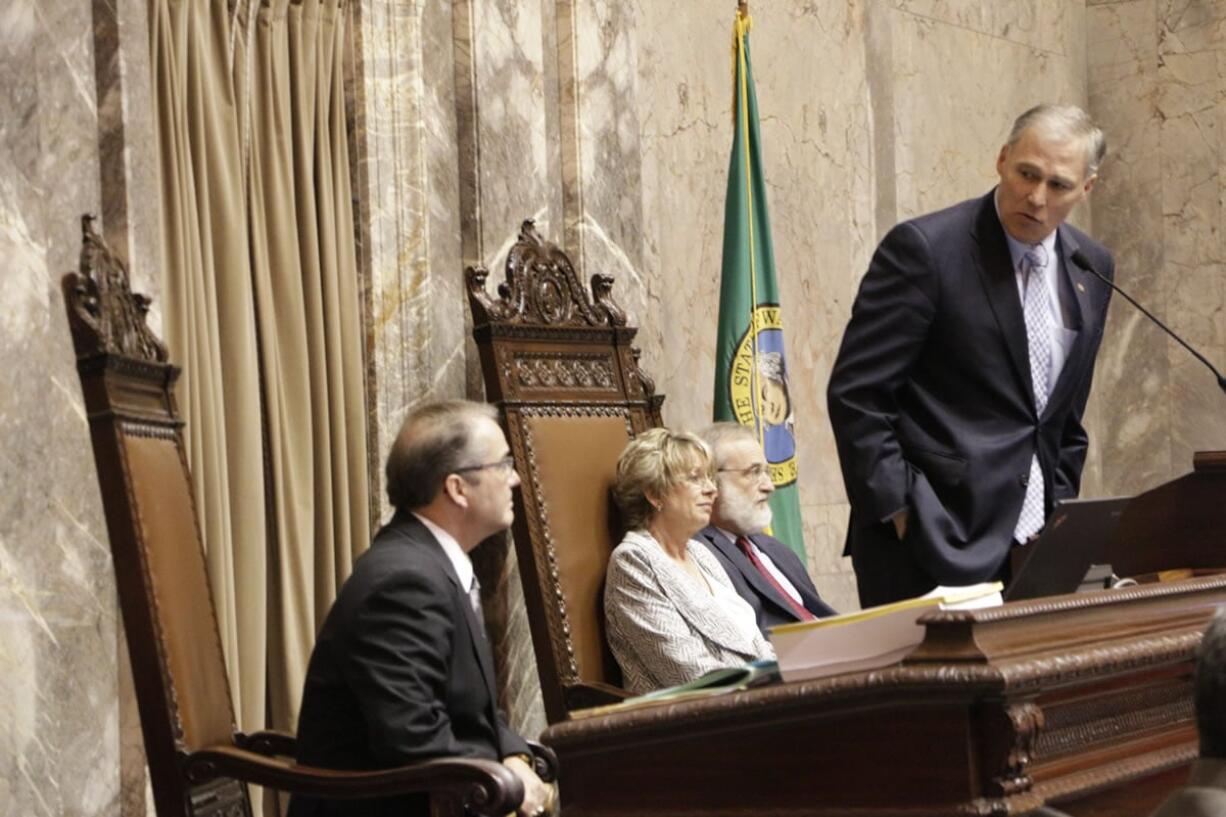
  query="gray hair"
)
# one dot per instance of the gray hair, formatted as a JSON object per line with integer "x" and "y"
{"x": 435, "y": 440}
{"x": 1210, "y": 689}
{"x": 717, "y": 435}
{"x": 1064, "y": 122}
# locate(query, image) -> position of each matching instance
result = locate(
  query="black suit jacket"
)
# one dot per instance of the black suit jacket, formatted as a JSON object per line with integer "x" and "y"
{"x": 931, "y": 399}
{"x": 768, "y": 605}
{"x": 400, "y": 672}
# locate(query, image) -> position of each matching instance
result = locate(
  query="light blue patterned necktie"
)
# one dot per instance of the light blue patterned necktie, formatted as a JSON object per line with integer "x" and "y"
{"x": 1039, "y": 325}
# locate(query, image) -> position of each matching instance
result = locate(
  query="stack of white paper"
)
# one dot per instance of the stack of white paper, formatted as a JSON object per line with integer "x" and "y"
{"x": 868, "y": 639}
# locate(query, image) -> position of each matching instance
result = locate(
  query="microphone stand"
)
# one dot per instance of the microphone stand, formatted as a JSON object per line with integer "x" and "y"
{"x": 1080, "y": 260}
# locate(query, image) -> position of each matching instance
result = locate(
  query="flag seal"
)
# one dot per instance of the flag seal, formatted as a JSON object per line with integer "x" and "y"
{"x": 759, "y": 361}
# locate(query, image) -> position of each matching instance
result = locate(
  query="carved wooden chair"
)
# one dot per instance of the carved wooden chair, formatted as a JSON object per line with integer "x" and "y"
{"x": 198, "y": 762}
{"x": 559, "y": 365}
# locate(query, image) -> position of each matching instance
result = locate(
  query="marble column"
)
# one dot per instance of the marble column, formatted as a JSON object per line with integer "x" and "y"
{"x": 59, "y": 714}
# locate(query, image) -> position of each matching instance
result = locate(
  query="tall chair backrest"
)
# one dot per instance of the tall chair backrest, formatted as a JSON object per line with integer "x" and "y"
{"x": 559, "y": 365}
{"x": 164, "y": 596}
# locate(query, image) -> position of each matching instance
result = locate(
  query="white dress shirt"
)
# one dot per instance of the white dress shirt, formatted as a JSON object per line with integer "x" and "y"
{"x": 455, "y": 554}
{"x": 770, "y": 566}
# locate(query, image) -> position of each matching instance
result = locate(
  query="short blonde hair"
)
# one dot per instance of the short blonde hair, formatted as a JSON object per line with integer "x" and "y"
{"x": 654, "y": 462}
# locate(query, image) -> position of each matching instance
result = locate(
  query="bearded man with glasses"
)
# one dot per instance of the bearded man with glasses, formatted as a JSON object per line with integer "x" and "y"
{"x": 401, "y": 670}
{"x": 765, "y": 572}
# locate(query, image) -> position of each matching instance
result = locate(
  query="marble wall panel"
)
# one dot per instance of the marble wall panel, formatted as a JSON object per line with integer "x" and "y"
{"x": 500, "y": 52}
{"x": 1132, "y": 374}
{"x": 59, "y": 713}
{"x": 393, "y": 198}
{"x": 1042, "y": 24}
{"x": 952, "y": 109}
{"x": 1191, "y": 102}
{"x": 601, "y": 157}
{"x": 1156, "y": 82}
{"x": 683, "y": 111}
{"x": 451, "y": 372}
{"x": 503, "y": 43}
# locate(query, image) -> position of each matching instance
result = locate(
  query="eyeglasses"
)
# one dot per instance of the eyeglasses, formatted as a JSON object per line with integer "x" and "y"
{"x": 506, "y": 465}
{"x": 698, "y": 478}
{"x": 754, "y": 472}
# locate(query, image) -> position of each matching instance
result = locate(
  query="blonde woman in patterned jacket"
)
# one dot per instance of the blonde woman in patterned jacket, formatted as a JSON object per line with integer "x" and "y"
{"x": 670, "y": 611}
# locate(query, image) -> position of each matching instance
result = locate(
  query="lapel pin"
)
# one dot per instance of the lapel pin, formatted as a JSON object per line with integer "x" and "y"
{"x": 1081, "y": 287}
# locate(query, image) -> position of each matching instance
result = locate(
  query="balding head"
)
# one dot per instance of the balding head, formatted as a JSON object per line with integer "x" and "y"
{"x": 435, "y": 440}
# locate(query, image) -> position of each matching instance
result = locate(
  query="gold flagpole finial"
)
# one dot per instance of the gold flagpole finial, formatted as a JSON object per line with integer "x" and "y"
{"x": 743, "y": 20}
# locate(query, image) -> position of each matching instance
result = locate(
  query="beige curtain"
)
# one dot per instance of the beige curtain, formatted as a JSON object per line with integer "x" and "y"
{"x": 262, "y": 314}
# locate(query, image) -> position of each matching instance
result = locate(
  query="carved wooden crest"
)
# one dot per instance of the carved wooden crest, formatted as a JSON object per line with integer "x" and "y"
{"x": 541, "y": 287}
{"x": 104, "y": 314}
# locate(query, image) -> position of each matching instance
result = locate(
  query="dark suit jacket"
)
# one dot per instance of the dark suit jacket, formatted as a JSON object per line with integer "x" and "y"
{"x": 768, "y": 605}
{"x": 400, "y": 672}
{"x": 931, "y": 399}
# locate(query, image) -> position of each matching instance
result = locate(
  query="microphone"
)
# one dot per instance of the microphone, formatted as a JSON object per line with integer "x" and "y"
{"x": 1080, "y": 260}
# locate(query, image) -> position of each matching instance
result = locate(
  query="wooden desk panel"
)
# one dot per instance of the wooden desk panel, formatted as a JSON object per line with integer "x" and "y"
{"x": 1080, "y": 700}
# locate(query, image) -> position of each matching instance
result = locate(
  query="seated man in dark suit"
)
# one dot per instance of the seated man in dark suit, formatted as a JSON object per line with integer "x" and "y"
{"x": 1205, "y": 794}
{"x": 402, "y": 670}
{"x": 765, "y": 572}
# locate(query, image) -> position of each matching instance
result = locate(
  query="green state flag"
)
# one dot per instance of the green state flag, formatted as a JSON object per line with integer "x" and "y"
{"x": 751, "y": 377}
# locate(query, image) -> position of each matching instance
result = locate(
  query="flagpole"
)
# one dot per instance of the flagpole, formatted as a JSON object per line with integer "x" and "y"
{"x": 748, "y": 251}
{"x": 743, "y": 22}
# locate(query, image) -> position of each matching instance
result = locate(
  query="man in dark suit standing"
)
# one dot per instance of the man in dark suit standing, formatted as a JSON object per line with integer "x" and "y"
{"x": 401, "y": 670}
{"x": 765, "y": 572}
{"x": 958, "y": 391}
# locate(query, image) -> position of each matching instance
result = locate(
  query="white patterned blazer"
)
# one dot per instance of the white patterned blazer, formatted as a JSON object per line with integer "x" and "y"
{"x": 663, "y": 627}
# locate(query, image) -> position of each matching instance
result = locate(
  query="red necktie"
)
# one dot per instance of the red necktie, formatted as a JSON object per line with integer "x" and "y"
{"x": 797, "y": 608}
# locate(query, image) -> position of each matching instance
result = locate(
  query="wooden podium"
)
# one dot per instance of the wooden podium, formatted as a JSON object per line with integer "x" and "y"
{"x": 1178, "y": 525}
{"x": 1083, "y": 702}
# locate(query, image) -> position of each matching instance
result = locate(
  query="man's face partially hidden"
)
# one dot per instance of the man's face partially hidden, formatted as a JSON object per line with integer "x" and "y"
{"x": 1041, "y": 180}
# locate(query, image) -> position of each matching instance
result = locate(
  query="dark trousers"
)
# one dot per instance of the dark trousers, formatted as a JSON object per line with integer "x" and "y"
{"x": 886, "y": 569}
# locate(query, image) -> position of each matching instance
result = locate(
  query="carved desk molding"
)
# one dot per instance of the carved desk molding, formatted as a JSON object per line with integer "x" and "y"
{"x": 998, "y": 711}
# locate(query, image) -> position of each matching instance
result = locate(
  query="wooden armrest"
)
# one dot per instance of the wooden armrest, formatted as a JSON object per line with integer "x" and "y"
{"x": 484, "y": 786}
{"x": 593, "y": 693}
{"x": 270, "y": 742}
{"x": 544, "y": 761}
